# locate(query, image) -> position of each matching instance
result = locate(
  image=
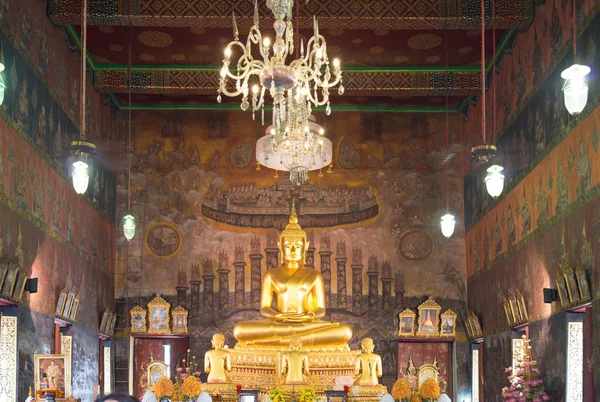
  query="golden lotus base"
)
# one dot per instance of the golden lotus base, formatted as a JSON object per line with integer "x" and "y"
{"x": 255, "y": 367}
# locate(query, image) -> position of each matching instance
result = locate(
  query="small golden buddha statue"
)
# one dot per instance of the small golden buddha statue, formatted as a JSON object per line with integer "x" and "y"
{"x": 300, "y": 301}
{"x": 368, "y": 364}
{"x": 217, "y": 362}
{"x": 294, "y": 363}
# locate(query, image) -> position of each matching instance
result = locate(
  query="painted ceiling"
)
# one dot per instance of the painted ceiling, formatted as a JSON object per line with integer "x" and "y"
{"x": 393, "y": 52}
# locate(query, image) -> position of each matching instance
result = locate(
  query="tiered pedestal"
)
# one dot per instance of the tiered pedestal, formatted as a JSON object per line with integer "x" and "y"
{"x": 255, "y": 367}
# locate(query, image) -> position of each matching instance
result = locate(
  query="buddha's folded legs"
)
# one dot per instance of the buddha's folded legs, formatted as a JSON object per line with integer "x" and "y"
{"x": 317, "y": 333}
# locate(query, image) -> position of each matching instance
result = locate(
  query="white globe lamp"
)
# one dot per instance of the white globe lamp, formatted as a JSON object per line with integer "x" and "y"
{"x": 81, "y": 178}
{"x": 447, "y": 223}
{"x": 575, "y": 88}
{"x": 494, "y": 181}
{"x": 129, "y": 226}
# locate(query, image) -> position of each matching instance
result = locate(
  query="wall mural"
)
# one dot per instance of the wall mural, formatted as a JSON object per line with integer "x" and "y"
{"x": 530, "y": 104}
{"x": 46, "y": 118}
{"x": 373, "y": 230}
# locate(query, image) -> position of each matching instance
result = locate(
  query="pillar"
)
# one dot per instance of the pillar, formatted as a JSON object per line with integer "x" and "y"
{"x": 272, "y": 251}
{"x": 195, "y": 287}
{"x": 255, "y": 271}
{"x": 386, "y": 285}
{"x": 310, "y": 253}
{"x": 357, "y": 271}
{"x": 373, "y": 273}
{"x": 325, "y": 253}
{"x": 182, "y": 288}
{"x": 399, "y": 290}
{"x": 223, "y": 272}
{"x": 239, "y": 264}
{"x": 209, "y": 278}
{"x": 340, "y": 259}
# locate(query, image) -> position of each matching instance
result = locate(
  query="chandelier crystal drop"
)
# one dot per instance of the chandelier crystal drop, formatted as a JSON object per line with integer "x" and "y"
{"x": 311, "y": 72}
{"x": 447, "y": 223}
{"x": 494, "y": 181}
{"x": 295, "y": 142}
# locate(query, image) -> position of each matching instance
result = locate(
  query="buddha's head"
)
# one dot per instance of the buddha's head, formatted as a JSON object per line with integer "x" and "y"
{"x": 295, "y": 343}
{"x": 367, "y": 345}
{"x": 218, "y": 341}
{"x": 293, "y": 242}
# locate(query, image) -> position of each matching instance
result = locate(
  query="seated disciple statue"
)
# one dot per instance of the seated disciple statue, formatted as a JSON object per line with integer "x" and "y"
{"x": 368, "y": 364}
{"x": 217, "y": 362}
{"x": 300, "y": 301}
{"x": 294, "y": 363}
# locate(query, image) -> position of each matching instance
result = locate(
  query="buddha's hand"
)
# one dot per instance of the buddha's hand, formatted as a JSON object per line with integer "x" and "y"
{"x": 297, "y": 317}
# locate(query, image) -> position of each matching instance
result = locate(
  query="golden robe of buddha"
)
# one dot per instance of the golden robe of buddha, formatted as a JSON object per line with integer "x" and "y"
{"x": 217, "y": 362}
{"x": 299, "y": 297}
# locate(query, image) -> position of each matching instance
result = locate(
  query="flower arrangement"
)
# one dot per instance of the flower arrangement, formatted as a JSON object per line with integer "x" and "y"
{"x": 401, "y": 390}
{"x": 307, "y": 394}
{"x": 524, "y": 384}
{"x": 277, "y": 395}
{"x": 164, "y": 388}
{"x": 430, "y": 389}
{"x": 191, "y": 388}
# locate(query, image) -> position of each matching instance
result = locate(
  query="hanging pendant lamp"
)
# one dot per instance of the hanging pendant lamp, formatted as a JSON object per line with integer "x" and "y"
{"x": 82, "y": 149}
{"x": 129, "y": 220}
{"x": 447, "y": 222}
{"x": 575, "y": 88}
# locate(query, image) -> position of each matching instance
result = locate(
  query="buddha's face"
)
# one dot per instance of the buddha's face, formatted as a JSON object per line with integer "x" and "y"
{"x": 293, "y": 248}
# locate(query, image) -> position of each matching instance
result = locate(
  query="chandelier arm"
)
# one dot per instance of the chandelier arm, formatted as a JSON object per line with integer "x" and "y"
{"x": 243, "y": 87}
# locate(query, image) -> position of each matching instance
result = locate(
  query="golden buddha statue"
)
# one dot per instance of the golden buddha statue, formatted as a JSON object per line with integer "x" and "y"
{"x": 368, "y": 364}
{"x": 294, "y": 363}
{"x": 300, "y": 301}
{"x": 217, "y": 362}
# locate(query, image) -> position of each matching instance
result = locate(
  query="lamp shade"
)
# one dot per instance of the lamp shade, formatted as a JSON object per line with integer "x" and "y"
{"x": 448, "y": 222}
{"x": 81, "y": 179}
{"x": 494, "y": 181}
{"x": 129, "y": 226}
{"x": 575, "y": 88}
{"x": 2, "y": 84}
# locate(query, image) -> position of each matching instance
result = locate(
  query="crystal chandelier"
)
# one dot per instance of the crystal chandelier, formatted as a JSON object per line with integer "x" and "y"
{"x": 310, "y": 72}
{"x": 297, "y": 144}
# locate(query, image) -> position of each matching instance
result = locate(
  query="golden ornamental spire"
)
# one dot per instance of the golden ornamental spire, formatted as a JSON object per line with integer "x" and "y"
{"x": 293, "y": 215}
{"x": 293, "y": 228}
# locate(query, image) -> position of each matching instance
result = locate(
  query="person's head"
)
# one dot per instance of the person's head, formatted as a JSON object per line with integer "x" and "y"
{"x": 117, "y": 397}
{"x": 295, "y": 343}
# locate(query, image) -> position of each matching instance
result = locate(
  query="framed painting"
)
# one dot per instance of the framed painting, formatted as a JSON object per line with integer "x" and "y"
{"x": 138, "y": 320}
{"x": 163, "y": 239}
{"x": 406, "y": 323}
{"x": 102, "y": 327}
{"x": 448, "y": 327}
{"x": 3, "y": 272}
{"x": 68, "y": 304}
{"x": 571, "y": 285}
{"x": 510, "y": 316}
{"x": 477, "y": 330}
{"x": 180, "y": 320}
{"x": 563, "y": 294}
{"x": 584, "y": 286}
{"x": 469, "y": 326}
{"x": 109, "y": 318}
{"x": 429, "y": 318}
{"x": 60, "y": 306}
{"x": 20, "y": 286}
{"x": 74, "y": 307}
{"x": 10, "y": 281}
{"x": 515, "y": 309}
{"x": 52, "y": 373}
{"x": 158, "y": 311}
{"x": 113, "y": 321}
{"x": 522, "y": 304}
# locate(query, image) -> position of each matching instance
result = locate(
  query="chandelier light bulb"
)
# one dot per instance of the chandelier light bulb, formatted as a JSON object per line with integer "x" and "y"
{"x": 227, "y": 52}
{"x": 266, "y": 42}
{"x": 81, "y": 179}
{"x": 319, "y": 53}
{"x": 494, "y": 181}
{"x": 321, "y": 131}
{"x": 336, "y": 63}
{"x": 255, "y": 89}
{"x": 129, "y": 226}
{"x": 575, "y": 88}
{"x": 447, "y": 223}
{"x": 223, "y": 72}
